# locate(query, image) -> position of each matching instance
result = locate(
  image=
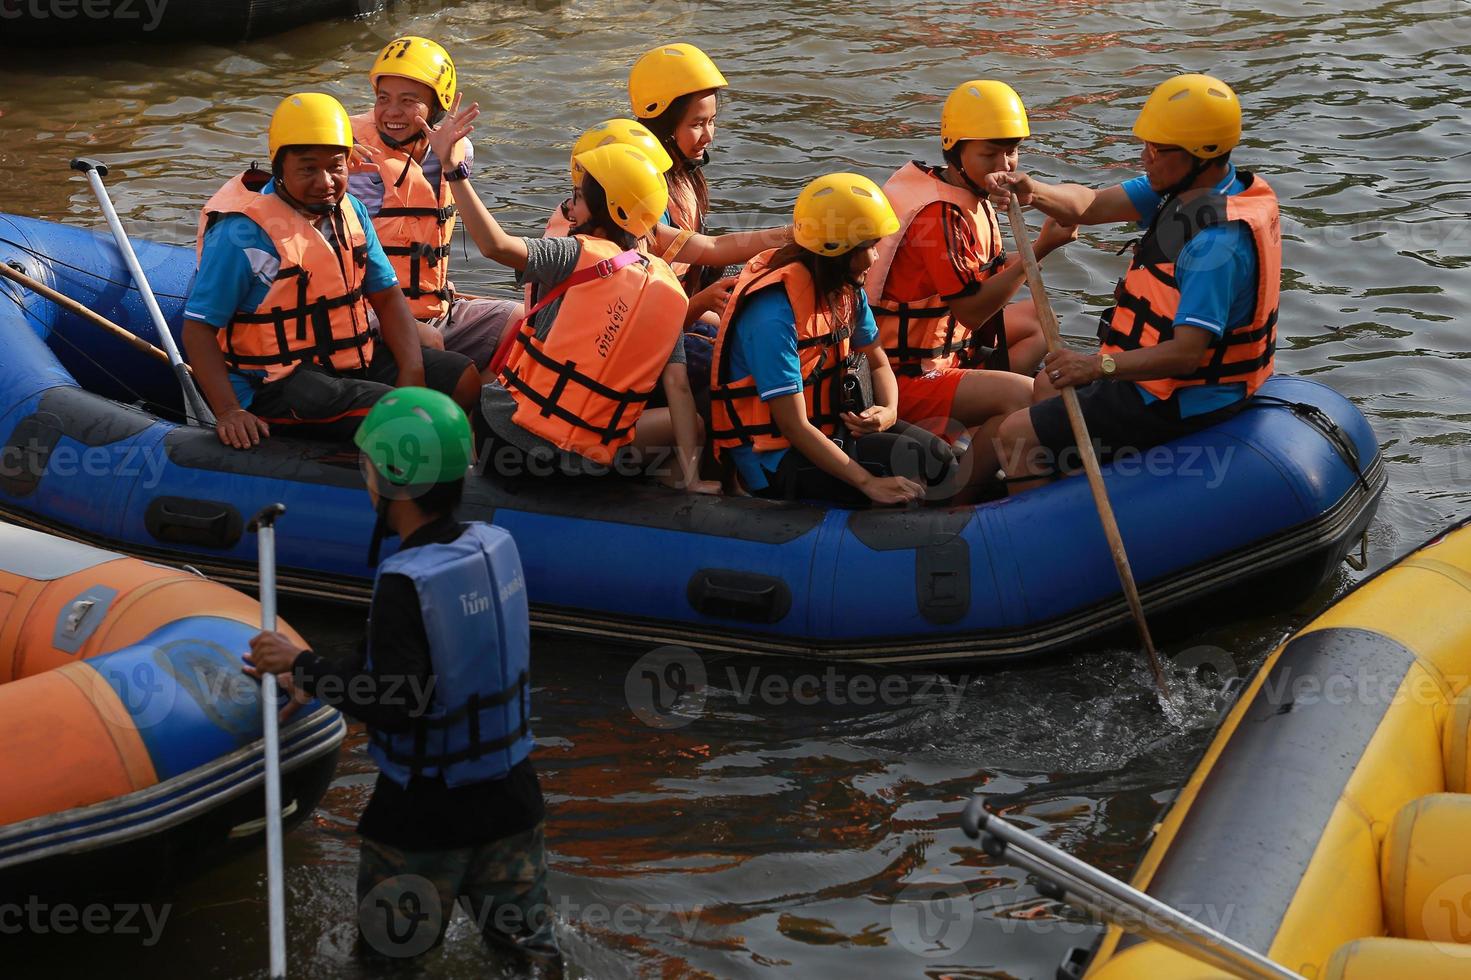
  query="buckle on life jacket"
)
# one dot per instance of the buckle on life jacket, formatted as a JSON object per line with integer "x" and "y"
{"x": 605, "y": 268}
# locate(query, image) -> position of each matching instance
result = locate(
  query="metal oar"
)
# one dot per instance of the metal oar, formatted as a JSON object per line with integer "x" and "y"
{"x": 1085, "y": 445}
{"x": 195, "y": 408}
{"x": 264, "y": 526}
{"x": 1104, "y": 897}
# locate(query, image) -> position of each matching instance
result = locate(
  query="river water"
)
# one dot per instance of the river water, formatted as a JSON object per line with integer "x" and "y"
{"x": 769, "y": 836}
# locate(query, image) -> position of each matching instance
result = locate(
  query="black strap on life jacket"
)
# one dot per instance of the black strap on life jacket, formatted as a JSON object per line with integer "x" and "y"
{"x": 419, "y": 253}
{"x": 438, "y": 214}
{"x": 314, "y": 315}
{"x": 824, "y": 381}
{"x": 567, "y": 374}
{"x": 421, "y": 760}
{"x": 906, "y": 359}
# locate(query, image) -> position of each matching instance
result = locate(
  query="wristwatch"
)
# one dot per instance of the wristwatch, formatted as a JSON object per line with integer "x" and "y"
{"x": 460, "y": 172}
{"x": 1107, "y": 365}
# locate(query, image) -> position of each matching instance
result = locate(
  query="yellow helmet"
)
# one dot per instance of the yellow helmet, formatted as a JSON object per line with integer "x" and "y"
{"x": 836, "y": 213}
{"x": 309, "y": 119}
{"x": 624, "y": 131}
{"x": 1197, "y": 113}
{"x": 417, "y": 59}
{"x": 636, "y": 192}
{"x": 983, "y": 110}
{"x": 667, "y": 72}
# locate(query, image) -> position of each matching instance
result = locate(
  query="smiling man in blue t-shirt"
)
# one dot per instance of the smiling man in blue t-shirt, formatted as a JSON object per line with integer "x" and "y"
{"x": 276, "y": 324}
{"x": 1193, "y": 331}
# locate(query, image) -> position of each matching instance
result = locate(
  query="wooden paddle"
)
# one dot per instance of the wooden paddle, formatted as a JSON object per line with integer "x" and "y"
{"x": 1085, "y": 443}
{"x": 72, "y": 306}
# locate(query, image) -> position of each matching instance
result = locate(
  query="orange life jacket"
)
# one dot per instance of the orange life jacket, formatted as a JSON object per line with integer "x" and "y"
{"x": 738, "y": 415}
{"x": 314, "y": 310}
{"x": 415, "y": 225}
{"x": 1148, "y": 296}
{"x": 921, "y": 335}
{"x": 582, "y": 384}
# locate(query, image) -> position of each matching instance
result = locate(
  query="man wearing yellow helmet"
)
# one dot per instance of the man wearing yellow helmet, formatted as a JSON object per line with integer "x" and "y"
{"x": 1194, "y": 326}
{"x": 295, "y": 243}
{"x": 602, "y": 329}
{"x": 941, "y": 285}
{"x": 406, "y": 192}
{"x": 778, "y": 409}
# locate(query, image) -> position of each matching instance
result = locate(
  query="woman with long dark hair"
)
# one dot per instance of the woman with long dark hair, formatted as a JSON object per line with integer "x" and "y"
{"x": 788, "y": 408}
{"x": 675, "y": 91}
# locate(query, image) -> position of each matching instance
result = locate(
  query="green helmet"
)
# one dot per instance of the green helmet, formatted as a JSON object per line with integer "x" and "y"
{"x": 415, "y": 437}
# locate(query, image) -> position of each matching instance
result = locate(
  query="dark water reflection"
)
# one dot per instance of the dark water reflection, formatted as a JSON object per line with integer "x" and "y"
{"x": 768, "y": 836}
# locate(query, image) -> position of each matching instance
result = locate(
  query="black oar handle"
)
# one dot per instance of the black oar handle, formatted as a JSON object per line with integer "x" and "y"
{"x": 266, "y": 517}
{"x": 973, "y": 818}
{"x": 84, "y": 165}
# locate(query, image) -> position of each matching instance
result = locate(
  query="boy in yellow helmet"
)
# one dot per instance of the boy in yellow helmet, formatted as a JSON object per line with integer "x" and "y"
{"x": 940, "y": 287}
{"x": 406, "y": 191}
{"x": 1194, "y": 326}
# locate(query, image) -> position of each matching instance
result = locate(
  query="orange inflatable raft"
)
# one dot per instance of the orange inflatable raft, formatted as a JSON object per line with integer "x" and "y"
{"x": 132, "y": 742}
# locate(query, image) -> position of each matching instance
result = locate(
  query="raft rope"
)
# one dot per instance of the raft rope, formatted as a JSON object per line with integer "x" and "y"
{"x": 1323, "y": 422}
{"x": 159, "y": 409}
{"x": 52, "y": 260}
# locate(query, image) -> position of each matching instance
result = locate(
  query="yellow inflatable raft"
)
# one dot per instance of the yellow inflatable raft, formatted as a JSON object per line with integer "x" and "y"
{"x": 1329, "y": 823}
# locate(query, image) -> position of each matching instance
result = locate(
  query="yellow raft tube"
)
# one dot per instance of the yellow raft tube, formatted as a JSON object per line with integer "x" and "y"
{"x": 1328, "y": 825}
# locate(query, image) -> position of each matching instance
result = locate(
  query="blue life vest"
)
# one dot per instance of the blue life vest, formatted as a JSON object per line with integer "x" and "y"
{"x": 473, "y": 597}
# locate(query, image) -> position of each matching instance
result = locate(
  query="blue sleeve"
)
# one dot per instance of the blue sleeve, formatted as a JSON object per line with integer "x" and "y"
{"x": 1216, "y": 271}
{"x": 766, "y": 344}
{"x": 225, "y": 279}
{"x": 1143, "y": 197}
{"x": 367, "y": 187}
{"x": 379, "y": 274}
{"x": 868, "y": 330}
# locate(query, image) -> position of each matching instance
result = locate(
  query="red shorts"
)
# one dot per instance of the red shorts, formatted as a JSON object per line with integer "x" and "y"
{"x": 926, "y": 400}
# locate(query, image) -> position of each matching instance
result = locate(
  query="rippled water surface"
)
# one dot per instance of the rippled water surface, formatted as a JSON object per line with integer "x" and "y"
{"x": 766, "y": 836}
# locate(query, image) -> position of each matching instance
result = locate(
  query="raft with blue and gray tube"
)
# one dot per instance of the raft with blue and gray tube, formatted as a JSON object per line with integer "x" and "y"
{"x": 133, "y": 752}
{"x": 1254, "y": 512}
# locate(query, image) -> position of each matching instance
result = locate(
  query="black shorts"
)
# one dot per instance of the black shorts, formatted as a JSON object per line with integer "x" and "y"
{"x": 903, "y": 450}
{"x": 1118, "y": 421}
{"x": 314, "y": 402}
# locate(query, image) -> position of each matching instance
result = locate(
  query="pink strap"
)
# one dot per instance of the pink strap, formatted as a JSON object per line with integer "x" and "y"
{"x": 600, "y": 270}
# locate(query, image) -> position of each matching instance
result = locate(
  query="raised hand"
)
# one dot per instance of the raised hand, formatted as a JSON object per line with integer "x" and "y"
{"x": 447, "y": 139}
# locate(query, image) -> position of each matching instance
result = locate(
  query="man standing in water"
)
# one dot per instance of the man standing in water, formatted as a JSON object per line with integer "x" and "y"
{"x": 442, "y": 685}
{"x": 1194, "y": 326}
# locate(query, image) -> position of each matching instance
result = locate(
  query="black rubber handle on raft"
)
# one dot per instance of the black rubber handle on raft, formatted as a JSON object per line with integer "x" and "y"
{"x": 266, "y": 517}
{"x": 84, "y": 165}
{"x": 973, "y": 818}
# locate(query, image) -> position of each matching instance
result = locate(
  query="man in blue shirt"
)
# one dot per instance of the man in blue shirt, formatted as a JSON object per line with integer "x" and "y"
{"x": 1193, "y": 331}
{"x": 276, "y": 325}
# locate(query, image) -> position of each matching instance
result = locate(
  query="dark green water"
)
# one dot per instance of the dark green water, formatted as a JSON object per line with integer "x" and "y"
{"x": 769, "y": 837}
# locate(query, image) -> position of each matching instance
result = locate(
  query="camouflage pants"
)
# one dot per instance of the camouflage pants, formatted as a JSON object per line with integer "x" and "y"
{"x": 407, "y": 898}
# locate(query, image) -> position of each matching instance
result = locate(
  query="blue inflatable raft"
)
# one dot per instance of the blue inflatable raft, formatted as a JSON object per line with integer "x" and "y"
{"x": 1266, "y": 503}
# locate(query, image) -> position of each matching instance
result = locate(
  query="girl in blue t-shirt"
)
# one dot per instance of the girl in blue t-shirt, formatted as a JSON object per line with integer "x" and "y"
{"x": 777, "y": 412}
